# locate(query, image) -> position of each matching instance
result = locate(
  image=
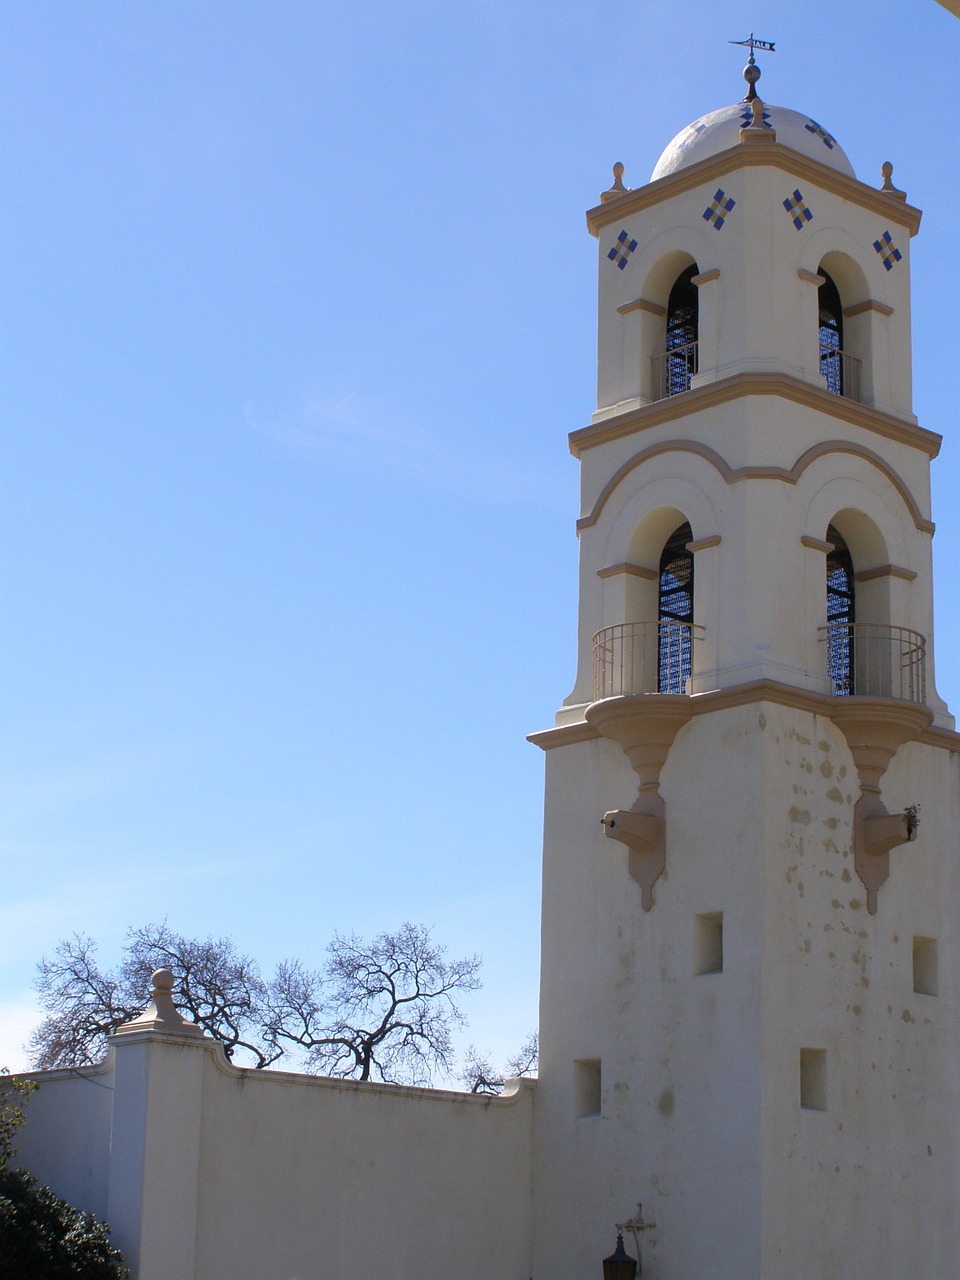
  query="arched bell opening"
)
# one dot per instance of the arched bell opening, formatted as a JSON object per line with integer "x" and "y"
{"x": 675, "y": 612}
{"x": 869, "y": 653}
{"x": 652, "y": 649}
{"x": 671, "y": 326}
{"x": 675, "y": 368}
{"x": 843, "y": 332}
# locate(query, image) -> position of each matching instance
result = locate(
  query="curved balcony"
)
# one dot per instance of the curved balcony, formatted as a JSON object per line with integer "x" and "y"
{"x": 873, "y": 660}
{"x": 643, "y": 657}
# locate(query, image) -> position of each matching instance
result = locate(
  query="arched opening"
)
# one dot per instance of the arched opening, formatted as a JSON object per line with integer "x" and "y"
{"x": 830, "y": 335}
{"x": 840, "y": 614}
{"x": 675, "y": 612}
{"x": 680, "y": 360}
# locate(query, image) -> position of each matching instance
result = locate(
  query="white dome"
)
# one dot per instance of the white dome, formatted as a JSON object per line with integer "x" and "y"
{"x": 720, "y": 130}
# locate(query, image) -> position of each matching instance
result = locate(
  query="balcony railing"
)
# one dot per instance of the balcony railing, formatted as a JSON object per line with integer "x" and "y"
{"x": 643, "y": 657}
{"x": 672, "y": 370}
{"x": 876, "y": 661}
{"x": 840, "y": 371}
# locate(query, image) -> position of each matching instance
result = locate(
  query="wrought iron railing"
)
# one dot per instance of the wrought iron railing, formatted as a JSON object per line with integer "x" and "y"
{"x": 875, "y": 660}
{"x": 643, "y": 657}
{"x": 840, "y": 371}
{"x": 672, "y": 370}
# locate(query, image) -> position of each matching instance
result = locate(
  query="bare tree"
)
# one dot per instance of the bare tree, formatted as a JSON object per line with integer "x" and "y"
{"x": 381, "y": 1010}
{"x": 479, "y": 1076}
{"x": 217, "y": 987}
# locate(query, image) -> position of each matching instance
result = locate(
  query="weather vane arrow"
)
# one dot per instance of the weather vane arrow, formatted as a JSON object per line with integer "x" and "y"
{"x": 753, "y": 43}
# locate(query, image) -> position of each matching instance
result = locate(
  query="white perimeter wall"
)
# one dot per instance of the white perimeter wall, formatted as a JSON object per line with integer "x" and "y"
{"x": 205, "y": 1170}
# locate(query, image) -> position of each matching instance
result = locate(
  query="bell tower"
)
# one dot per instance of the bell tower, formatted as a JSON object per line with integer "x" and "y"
{"x": 751, "y": 980}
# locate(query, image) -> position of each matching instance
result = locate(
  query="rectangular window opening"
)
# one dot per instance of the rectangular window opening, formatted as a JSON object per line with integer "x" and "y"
{"x": 708, "y": 943}
{"x": 587, "y": 1087}
{"x": 926, "y": 969}
{"x": 813, "y": 1079}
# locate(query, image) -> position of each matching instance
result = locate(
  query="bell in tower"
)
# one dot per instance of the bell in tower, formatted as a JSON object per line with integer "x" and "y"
{"x": 749, "y": 1018}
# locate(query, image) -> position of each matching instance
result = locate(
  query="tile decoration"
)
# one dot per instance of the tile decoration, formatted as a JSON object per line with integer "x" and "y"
{"x": 818, "y": 131}
{"x": 887, "y": 250}
{"x": 621, "y": 251}
{"x": 746, "y": 117}
{"x": 796, "y": 206}
{"x": 716, "y": 212}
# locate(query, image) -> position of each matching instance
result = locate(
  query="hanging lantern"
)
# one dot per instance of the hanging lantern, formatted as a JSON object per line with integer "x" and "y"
{"x": 620, "y": 1266}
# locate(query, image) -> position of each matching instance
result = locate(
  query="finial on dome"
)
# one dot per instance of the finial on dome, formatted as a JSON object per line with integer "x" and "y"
{"x": 886, "y": 170}
{"x": 617, "y": 189}
{"x": 751, "y": 72}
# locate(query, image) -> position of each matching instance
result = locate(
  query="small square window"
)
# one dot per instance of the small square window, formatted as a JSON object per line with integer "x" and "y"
{"x": 708, "y": 943}
{"x": 926, "y": 967}
{"x": 813, "y": 1079}
{"x": 587, "y": 1087}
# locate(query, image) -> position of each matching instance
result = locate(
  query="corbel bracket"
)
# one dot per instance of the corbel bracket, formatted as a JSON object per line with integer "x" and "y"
{"x": 645, "y": 726}
{"x": 874, "y": 729}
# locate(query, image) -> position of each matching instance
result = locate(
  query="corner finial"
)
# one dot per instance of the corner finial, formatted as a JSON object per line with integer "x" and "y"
{"x": 886, "y": 170}
{"x": 617, "y": 189}
{"x": 751, "y": 72}
{"x": 161, "y": 1013}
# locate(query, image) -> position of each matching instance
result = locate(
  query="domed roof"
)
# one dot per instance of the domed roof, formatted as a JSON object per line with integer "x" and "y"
{"x": 720, "y": 130}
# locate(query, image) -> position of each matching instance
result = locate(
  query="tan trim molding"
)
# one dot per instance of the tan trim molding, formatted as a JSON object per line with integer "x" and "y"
{"x": 705, "y": 277}
{"x": 733, "y": 475}
{"x": 705, "y": 172}
{"x": 810, "y": 277}
{"x": 885, "y": 571}
{"x": 816, "y": 544}
{"x": 701, "y": 544}
{"x": 740, "y": 695}
{"x": 737, "y": 385}
{"x": 641, "y": 304}
{"x": 870, "y": 304}
{"x": 634, "y": 570}
{"x": 564, "y": 735}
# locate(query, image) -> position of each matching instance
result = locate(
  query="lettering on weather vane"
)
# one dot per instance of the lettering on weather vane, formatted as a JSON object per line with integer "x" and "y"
{"x": 753, "y": 43}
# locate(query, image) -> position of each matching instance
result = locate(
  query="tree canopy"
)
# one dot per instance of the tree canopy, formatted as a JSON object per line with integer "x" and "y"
{"x": 384, "y": 1009}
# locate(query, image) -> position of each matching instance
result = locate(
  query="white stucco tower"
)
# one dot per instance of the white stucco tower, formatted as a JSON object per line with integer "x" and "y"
{"x": 751, "y": 965}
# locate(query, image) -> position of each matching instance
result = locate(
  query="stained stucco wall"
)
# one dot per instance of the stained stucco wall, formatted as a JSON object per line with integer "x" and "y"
{"x": 204, "y": 1170}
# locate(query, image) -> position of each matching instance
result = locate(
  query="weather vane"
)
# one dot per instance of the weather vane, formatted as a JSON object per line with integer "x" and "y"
{"x": 751, "y": 72}
{"x": 753, "y": 43}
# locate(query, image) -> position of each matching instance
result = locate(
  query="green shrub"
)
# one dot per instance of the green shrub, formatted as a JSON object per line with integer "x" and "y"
{"x": 44, "y": 1238}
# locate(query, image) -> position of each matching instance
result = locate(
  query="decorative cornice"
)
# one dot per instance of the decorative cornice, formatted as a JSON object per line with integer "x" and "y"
{"x": 641, "y": 304}
{"x": 885, "y": 571}
{"x": 701, "y": 544}
{"x": 784, "y": 695}
{"x": 733, "y": 475}
{"x": 869, "y": 304}
{"x": 737, "y": 385}
{"x": 816, "y": 544}
{"x": 704, "y": 172}
{"x": 633, "y": 570}
{"x": 564, "y": 735}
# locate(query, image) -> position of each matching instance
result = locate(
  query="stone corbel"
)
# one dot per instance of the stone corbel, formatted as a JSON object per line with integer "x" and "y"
{"x": 874, "y": 730}
{"x": 645, "y": 726}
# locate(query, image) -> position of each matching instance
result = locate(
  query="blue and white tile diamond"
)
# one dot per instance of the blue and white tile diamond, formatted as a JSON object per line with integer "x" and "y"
{"x": 887, "y": 250}
{"x": 716, "y": 212}
{"x": 796, "y": 206}
{"x": 621, "y": 251}
{"x": 818, "y": 131}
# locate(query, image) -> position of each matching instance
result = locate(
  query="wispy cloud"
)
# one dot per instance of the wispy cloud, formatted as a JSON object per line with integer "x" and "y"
{"x": 355, "y": 432}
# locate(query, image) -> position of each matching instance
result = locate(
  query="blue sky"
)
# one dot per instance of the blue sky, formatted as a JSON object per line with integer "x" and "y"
{"x": 298, "y": 308}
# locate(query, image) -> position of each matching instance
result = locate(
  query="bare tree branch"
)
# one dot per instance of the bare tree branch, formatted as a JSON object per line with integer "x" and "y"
{"x": 479, "y": 1076}
{"x": 381, "y": 1010}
